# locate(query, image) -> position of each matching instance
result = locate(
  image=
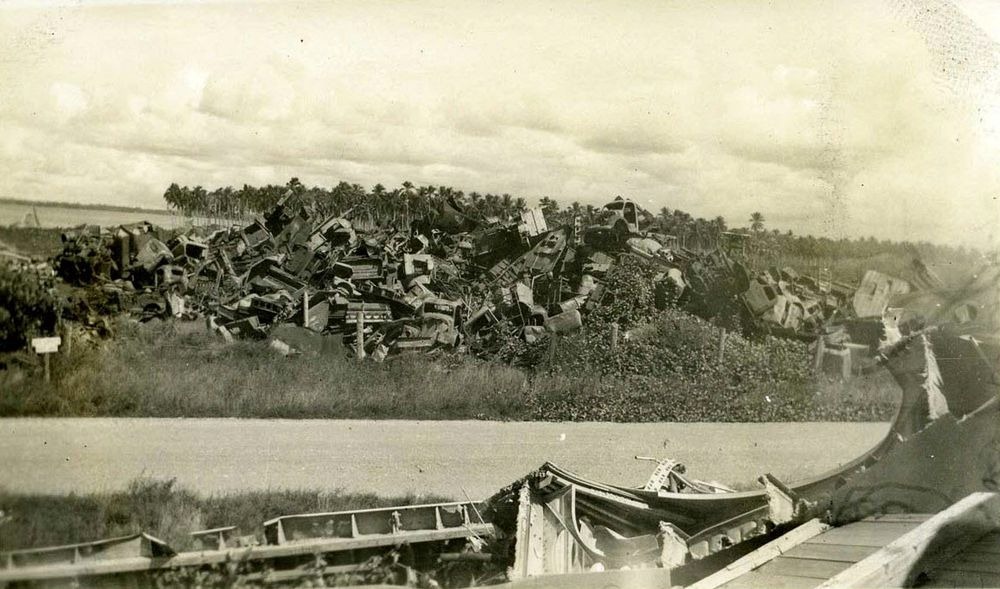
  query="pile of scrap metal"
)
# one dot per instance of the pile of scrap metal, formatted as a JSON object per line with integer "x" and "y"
{"x": 883, "y": 309}
{"x": 553, "y": 528}
{"x": 128, "y": 269}
{"x": 445, "y": 282}
{"x": 448, "y": 281}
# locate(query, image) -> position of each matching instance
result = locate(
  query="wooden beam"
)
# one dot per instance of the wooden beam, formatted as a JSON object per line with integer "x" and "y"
{"x": 927, "y": 546}
{"x": 762, "y": 555}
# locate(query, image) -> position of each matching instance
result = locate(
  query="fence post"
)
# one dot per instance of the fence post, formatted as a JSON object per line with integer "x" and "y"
{"x": 553, "y": 343}
{"x": 820, "y": 351}
{"x": 360, "y": 343}
{"x": 305, "y": 308}
{"x": 614, "y": 337}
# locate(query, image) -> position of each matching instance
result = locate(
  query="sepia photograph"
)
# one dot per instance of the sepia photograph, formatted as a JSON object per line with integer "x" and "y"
{"x": 605, "y": 294}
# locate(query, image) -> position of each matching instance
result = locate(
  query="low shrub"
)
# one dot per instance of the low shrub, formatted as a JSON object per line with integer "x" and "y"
{"x": 28, "y": 307}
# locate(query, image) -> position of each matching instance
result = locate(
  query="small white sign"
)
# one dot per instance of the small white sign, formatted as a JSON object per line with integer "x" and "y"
{"x": 46, "y": 345}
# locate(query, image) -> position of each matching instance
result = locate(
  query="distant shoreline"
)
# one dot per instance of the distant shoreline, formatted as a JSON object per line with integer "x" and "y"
{"x": 77, "y": 205}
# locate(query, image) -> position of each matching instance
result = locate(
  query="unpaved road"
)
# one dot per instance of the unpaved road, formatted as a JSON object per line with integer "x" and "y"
{"x": 393, "y": 457}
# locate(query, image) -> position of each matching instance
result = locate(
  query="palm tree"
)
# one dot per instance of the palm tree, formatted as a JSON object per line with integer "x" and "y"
{"x": 506, "y": 205}
{"x": 520, "y": 205}
{"x": 663, "y": 218}
{"x": 549, "y": 207}
{"x": 756, "y": 222}
{"x": 491, "y": 204}
{"x": 474, "y": 201}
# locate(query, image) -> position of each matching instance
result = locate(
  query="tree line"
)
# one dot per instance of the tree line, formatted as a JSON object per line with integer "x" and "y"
{"x": 408, "y": 202}
{"x": 381, "y": 206}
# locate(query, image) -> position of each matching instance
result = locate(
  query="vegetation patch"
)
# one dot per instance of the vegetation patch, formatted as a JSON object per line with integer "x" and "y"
{"x": 666, "y": 370}
{"x": 165, "y": 510}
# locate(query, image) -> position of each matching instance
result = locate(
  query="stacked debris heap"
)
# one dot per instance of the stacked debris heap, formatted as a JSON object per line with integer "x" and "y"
{"x": 451, "y": 280}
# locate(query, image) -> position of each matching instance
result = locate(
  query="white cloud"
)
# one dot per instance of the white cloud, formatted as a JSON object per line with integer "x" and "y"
{"x": 826, "y": 118}
{"x": 69, "y": 100}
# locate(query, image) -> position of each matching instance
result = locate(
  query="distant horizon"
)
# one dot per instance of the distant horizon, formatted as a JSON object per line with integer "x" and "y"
{"x": 733, "y": 225}
{"x": 83, "y": 205}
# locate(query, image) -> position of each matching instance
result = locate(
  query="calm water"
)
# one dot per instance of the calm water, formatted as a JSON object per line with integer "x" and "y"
{"x": 392, "y": 457}
{"x": 56, "y": 216}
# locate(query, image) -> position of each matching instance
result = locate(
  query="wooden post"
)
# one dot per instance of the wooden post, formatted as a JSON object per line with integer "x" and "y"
{"x": 48, "y": 376}
{"x": 722, "y": 344}
{"x": 553, "y": 343}
{"x": 360, "y": 339}
{"x": 614, "y": 337}
{"x": 305, "y": 308}
{"x": 820, "y": 351}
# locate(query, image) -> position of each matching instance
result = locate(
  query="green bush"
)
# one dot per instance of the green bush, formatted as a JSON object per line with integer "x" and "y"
{"x": 670, "y": 370}
{"x": 27, "y": 306}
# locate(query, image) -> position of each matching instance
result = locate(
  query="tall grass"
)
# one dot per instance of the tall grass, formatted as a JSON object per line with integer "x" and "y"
{"x": 670, "y": 374}
{"x": 156, "y": 371}
{"x": 165, "y": 510}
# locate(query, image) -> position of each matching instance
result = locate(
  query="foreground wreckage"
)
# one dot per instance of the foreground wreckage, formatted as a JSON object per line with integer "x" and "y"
{"x": 555, "y": 528}
{"x": 447, "y": 282}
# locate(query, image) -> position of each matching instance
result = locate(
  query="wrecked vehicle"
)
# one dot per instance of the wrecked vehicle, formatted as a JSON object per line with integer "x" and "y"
{"x": 615, "y": 222}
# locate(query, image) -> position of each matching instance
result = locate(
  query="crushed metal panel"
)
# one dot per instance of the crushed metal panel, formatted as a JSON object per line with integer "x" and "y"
{"x": 874, "y": 293}
{"x": 135, "y": 545}
{"x": 373, "y": 522}
{"x": 533, "y": 222}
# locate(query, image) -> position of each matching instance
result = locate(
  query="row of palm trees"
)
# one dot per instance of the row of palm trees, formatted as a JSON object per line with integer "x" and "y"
{"x": 381, "y": 206}
{"x": 406, "y": 203}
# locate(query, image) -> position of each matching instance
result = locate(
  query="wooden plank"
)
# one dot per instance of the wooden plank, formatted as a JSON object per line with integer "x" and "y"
{"x": 926, "y": 547}
{"x": 804, "y": 567}
{"x": 865, "y": 534}
{"x": 836, "y": 552}
{"x": 756, "y": 580}
{"x": 762, "y": 555}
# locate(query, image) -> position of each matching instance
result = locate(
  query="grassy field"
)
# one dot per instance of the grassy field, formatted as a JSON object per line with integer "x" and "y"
{"x": 165, "y": 510}
{"x": 172, "y": 370}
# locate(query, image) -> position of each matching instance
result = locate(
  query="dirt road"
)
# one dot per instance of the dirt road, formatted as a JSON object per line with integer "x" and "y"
{"x": 391, "y": 457}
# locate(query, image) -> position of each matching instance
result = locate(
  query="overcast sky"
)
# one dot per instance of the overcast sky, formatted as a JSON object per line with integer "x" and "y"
{"x": 830, "y": 117}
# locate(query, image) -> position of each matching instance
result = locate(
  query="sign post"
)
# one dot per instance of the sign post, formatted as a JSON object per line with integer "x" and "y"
{"x": 46, "y": 346}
